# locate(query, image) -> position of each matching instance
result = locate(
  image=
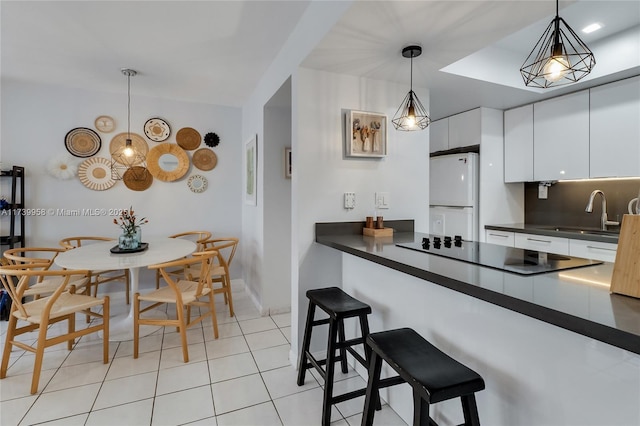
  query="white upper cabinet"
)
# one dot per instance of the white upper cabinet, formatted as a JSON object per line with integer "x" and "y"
{"x": 561, "y": 137}
{"x": 439, "y": 135}
{"x": 465, "y": 129}
{"x": 615, "y": 129}
{"x": 456, "y": 131}
{"x": 518, "y": 144}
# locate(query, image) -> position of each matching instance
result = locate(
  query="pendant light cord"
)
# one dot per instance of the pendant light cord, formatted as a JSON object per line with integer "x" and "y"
{"x": 556, "y": 40}
{"x": 128, "y": 106}
{"x": 411, "y": 78}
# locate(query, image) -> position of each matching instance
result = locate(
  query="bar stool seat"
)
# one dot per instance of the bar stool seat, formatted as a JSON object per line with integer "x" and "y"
{"x": 433, "y": 375}
{"x": 339, "y": 306}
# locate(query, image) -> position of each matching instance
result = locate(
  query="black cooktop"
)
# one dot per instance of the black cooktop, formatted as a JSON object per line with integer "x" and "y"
{"x": 510, "y": 259}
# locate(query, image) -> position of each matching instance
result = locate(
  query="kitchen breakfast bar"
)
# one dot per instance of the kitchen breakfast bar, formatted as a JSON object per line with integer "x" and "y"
{"x": 554, "y": 348}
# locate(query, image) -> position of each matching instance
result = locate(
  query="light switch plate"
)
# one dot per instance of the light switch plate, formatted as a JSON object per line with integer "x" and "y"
{"x": 349, "y": 200}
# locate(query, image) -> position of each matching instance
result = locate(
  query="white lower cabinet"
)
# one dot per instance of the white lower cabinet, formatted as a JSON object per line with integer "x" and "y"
{"x": 593, "y": 250}
{"x": 501, "y": 238}
{"x": 542, "y": 243}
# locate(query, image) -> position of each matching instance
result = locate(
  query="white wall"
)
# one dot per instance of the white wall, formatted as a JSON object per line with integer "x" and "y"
{"x": 35, "y": 120}
{"x": 276, "y": 292}
{"x": 318, "y": 19}
{"x": 324, "y": 173}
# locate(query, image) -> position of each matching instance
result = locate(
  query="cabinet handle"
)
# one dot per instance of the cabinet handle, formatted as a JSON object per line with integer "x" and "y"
{"x": 498, "y": 235}
{"x": 600, "y": 248}
{"x": 539, "y": 241}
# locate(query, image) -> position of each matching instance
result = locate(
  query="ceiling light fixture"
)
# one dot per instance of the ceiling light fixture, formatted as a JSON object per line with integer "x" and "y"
{"x": 559, "y": 57}
{"x": 411, "y": 115}
{"x": 125, "y": 157}
{"x": 591, "y": 28}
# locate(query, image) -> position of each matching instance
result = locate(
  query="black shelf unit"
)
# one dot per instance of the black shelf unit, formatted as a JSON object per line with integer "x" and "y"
{"x": 15, "y": 208}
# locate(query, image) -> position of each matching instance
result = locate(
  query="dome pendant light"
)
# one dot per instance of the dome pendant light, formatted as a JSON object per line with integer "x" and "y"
{"x": 127, "y": 159}
{"x": 411, "y": 115}
{"x": 559, "y": 57}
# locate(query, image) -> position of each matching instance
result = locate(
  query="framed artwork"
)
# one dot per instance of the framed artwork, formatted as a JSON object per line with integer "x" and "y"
{"x": 287, "y": 163}
{"x": 366, "y": 134}
{"x": 251, "y": 175}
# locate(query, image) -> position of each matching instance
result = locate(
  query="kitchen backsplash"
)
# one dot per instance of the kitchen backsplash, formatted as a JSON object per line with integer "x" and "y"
{"x": 566, "y": 202}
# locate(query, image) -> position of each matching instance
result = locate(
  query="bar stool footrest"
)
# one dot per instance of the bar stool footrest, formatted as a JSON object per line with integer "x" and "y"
{"x": 349, "y": 395}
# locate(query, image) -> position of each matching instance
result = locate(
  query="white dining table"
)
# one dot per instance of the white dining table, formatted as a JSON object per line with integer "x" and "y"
{"x": 97, "y": 256}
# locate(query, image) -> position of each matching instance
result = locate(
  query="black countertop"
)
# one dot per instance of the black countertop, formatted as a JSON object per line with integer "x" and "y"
{"x": 577, "y": 300}
{"x": 576, "y": 233}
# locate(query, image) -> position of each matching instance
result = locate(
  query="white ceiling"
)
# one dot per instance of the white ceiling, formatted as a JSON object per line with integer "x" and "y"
{"x": 216, "y": 51}
{"x": 202, "y": 51}
{"x": 486, "y": 40}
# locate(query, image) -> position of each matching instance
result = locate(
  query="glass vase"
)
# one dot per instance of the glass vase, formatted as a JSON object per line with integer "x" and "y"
{"x": 130, "y": 240}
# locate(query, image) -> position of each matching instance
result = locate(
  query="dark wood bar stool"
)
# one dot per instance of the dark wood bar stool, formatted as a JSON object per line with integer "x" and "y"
{"x": 339, "y": 306}
{"x": 433, "y": 375}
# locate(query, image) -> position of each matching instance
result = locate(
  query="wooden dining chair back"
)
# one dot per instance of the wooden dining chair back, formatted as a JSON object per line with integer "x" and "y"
{"x": 220, "y": 276}
{"x": 38, "y": 314}
{"x": 40, "y": 258}
{"x": 102, "y": 276}
{"x": 74, "y": 242}
{"x": 184, "y": 294}
{"x": 198, "y": 237}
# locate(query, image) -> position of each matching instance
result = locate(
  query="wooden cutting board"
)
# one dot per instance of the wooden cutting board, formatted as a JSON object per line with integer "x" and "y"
{"x": 626, "y": 270}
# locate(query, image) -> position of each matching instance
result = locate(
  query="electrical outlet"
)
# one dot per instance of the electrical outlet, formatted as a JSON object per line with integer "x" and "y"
{"x": 349, "y": 200}
{"x": 382, "y": 200}
{"x": 543, "y": 192}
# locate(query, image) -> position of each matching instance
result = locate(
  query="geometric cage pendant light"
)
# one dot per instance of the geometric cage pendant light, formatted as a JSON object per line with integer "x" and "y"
{"x": 559, "y": 57}
{"x": 411, "y": 115}
{"x": 126, "y": 159}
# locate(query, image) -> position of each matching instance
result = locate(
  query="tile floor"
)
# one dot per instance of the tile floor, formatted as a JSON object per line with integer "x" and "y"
{"x": 243, "y": 378}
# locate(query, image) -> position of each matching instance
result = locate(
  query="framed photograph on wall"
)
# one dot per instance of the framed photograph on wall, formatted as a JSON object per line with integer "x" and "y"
{"x": 287, "y": 163}
{"x": 366, "y": 134}
{"x": 251, "y": 171}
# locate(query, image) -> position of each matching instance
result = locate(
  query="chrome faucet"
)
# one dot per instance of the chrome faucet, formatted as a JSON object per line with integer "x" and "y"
{"x": 603, "y": 219}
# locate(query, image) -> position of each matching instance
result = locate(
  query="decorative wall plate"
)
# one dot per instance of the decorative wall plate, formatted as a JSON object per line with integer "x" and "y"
{"x": 63, "y": 166}
{"x": 197, "y": 183}
{"x": 137, "y": 178}
{"x": 105, "y": 124}
{"x": 95, "y": 174}
{"x": 139, "y": 144}
{"x": 157, "y": 129}
{"x": 82, "y": 142}
{"x": 167, "y": 162}
{"x": 211, "y": 139}
{"x": 188, "y": 138}
{"x": 205, "y": 159}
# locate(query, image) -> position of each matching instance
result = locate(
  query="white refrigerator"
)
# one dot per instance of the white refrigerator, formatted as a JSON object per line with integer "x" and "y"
{"x": 453, "y": 193}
